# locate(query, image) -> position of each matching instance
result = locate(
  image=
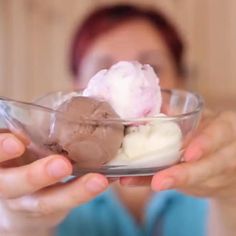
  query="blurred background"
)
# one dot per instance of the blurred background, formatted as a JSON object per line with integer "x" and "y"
{"x": 35, "y": 34}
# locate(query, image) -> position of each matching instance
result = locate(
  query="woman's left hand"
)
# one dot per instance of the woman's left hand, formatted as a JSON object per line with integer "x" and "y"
{"x": 209, "y": 169}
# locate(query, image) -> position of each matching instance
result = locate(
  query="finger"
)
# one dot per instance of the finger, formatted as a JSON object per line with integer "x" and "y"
{"x": 15, "y": 182}
{"x": 206, "y": 119}
{"x": 207, "y": 113}
{"x": 64, "y": 197}
{"x": 219, "y": 132}
{"x": 193, "y": 173}
{"x": 180, "y": 175}
{"x": 10, "y": 147}
{"x": 136, "y": 181}
{"x": 112, "y": 179}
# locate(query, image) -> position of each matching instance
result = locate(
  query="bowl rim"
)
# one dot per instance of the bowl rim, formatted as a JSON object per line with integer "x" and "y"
{"x": 160, "y": 116}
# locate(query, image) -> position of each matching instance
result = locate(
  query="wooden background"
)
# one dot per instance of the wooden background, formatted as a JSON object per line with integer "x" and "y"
{"x": 35, "y": 34}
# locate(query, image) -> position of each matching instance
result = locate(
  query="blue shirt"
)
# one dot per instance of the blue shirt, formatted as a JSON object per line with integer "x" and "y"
{"x": 168, "y": 213}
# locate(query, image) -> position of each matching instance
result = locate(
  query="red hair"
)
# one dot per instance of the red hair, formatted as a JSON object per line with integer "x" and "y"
{"x": 107, "y": 18}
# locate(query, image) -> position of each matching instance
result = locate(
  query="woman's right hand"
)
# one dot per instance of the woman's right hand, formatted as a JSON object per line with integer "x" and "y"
{"x": 32, "y": 198}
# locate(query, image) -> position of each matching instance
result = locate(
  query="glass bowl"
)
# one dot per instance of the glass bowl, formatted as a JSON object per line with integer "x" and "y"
{"x": 180, "y": 115}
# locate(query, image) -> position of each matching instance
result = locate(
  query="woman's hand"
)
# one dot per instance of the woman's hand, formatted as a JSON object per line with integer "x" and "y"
{"x": 209, "y": 169}
{"x": 32, "y": 198}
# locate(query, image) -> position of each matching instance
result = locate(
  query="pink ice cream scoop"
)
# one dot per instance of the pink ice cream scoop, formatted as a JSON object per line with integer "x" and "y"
{"x": 132, "y": 89}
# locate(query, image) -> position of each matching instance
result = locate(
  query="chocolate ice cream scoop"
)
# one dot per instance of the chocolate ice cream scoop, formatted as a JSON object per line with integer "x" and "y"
{"x": 79, "y": 132}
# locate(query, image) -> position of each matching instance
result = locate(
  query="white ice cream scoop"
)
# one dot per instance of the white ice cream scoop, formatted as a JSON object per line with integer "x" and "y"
{"x": 157, "y": 143}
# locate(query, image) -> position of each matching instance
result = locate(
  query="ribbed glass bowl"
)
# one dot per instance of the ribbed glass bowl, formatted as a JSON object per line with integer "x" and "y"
{"x": 32, "y": 122}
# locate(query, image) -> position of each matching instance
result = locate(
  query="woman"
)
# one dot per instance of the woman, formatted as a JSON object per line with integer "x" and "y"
{"x": 32, "y": 202}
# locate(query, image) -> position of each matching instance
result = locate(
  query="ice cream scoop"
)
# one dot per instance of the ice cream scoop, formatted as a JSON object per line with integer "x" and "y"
{"x": 157, "y": 143}
{"x": 80, "y": 132}
{"x": 132, "y": 89}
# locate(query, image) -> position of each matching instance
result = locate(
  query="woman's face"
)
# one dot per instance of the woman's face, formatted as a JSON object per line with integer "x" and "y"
{"x": 134, "y": 40}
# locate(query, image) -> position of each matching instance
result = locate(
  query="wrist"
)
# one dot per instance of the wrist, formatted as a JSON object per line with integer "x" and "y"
{"x": 222, "y": 217}
{"x": 28, "y": 233}
{"x": 19, "y": 224}
{"x": 10, "y": 227}
{"x": 224, "y": 202}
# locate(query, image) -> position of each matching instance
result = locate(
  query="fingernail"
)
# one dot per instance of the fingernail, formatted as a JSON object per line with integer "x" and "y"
{"x": 11, "y": 146}
{"x": 166, "y": 184}
{"x": 95, "y": 185}
{"x": 58, "y": 168}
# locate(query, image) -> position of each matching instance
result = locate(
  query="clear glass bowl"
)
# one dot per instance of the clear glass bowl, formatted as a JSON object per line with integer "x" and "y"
{"x": 32, "y": 122}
